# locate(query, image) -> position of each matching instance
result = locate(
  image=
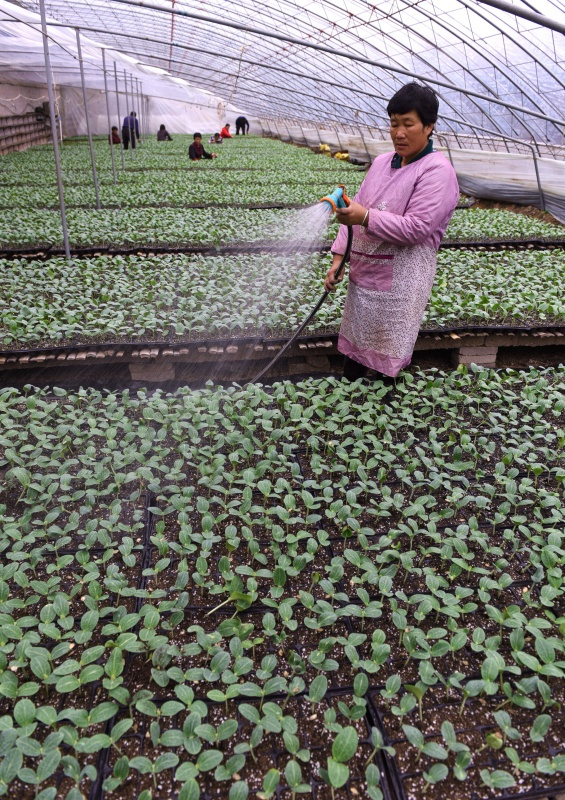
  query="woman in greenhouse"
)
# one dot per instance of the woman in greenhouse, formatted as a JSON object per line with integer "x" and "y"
{"x": 163, "y": 134}
{"x": 399, "y": 216}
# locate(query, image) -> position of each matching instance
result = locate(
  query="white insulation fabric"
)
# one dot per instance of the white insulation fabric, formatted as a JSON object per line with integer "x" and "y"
{"x": 184, "y": 108}
{"x": 179, "y": 116}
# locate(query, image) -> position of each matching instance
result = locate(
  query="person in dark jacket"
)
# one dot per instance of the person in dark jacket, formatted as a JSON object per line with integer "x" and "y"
{"x": 241, "y": 124}
{"x": 130, "y": 130}
{"x": 114, "y": 137}
{"x": 163, "y": 135}
{"x": 196, "y": 150}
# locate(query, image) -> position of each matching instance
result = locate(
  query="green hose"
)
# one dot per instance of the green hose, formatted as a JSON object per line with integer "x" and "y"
{"x": 312, "y": 314}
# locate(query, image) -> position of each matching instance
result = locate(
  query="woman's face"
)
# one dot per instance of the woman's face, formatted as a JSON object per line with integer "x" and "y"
{"x": 409, "y": 135}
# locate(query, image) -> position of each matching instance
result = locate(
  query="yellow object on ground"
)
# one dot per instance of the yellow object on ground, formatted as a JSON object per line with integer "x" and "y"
{"x": 342, "y": 156}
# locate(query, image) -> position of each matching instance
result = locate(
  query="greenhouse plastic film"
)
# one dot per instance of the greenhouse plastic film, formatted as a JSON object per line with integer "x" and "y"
{"x": 508, "y": 177}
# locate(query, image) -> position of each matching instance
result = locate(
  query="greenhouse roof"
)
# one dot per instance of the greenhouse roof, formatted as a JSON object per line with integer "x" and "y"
{"x": 329, "y": 62}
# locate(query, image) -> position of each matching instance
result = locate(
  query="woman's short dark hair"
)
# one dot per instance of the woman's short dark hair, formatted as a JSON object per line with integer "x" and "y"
{"x": 161, "y": 127}
{"x": 197, "y": 136}
{"x": 415, "y": 97}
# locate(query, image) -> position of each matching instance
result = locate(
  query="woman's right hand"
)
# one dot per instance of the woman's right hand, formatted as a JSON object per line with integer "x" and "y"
{"x": 330, "y": 282}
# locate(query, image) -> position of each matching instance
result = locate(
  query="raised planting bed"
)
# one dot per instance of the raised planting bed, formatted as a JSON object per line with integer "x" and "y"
{"x": 145, "y": 190}
{"x": 220, "y": 226}
{"x": 257, "y": 154}
{"x": 343, "y": 589}
{"x": 177, "y": 298}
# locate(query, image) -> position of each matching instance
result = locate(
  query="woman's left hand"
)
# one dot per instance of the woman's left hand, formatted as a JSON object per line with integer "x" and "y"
{"x": 352, "y": 215}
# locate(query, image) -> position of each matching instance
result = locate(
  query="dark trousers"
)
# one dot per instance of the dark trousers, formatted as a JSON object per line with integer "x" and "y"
{"x": 126, "y": 138}
{"x": 353, "y": 370}
{"x": 240, "y": 128}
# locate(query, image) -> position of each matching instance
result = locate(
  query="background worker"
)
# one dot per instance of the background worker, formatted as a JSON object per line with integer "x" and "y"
{"x": 241, "y": 124}
{"x": 215, "y": 139}
{"x": 399, "y": 217}
{"x": 196, "y": 150}
{"x": 130, "y": 130}
{"x": 114, "y": 136}
{"x": 225, "y": 132}
{"x": 163, "y": 134}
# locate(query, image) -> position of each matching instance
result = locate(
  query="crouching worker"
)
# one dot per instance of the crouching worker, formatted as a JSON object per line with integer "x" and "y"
{"x": 399, "y": 218}
{"x": 163, "y": 134}
{"x": 114, "y": 137}
{"x": 196, "y": 150}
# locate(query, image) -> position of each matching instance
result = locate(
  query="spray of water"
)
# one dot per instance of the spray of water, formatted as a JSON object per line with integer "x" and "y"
{"x": 302, "y": 230}
{"x": 291, "y": 240}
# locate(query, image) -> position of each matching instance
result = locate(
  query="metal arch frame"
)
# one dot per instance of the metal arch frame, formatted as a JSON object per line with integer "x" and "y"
{"x": 465, "y": 69}
{"x": 467, "y": 93}
{"x": 451, "y": 121}
{"x": 160, "y": 57}
{"x": 472, "y": 45}
{"x": 334, "y": 52}
{"x": 455, "y": 33}
{"x": 427, "y": 63}
{"x": 456, "y": 121}
{"x": 510, "y": 35}
{"x": 299, "y": 75}
{"x": 539, "y": 19}
{"x": 324, "y": 100}
{"x": 502, "y": 136}
{"x": 335, "y": 103}
{"x": 483, "y": 111}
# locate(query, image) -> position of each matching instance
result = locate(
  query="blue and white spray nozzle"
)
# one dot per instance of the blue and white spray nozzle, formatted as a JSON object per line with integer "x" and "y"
{"x": 337, "y": 199}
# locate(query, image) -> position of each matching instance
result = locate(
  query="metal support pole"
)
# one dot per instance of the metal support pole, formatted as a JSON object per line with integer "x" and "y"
{"x": 139, "y": 111}
{"x": 288, "y": 131}
{"x": 133, "y": 138}
{"x": 142, "y": 107}
{"x": 146, "y": 114}
{"x": 128, "y": 114}
{"x": 336, "y": 131}
{"x": 108, "y": 115}
{"x": 50, "y": 94}
{"x": 118, "y": 110}
{"x": 439, "y": 137}
{"x": 540, "y": 190}
{"x": 531, "y": 16}
{"x": 92, "y": 159}
{"x": 365, "y": 145}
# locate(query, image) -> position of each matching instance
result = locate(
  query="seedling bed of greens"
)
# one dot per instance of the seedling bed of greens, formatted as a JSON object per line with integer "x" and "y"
{"x": 223, "y": 226}
{"x": 180, "y": 297}
{"x": 36, "y": 166}
{"x": 248, "y": 591}
{"x": 137, "y": 190}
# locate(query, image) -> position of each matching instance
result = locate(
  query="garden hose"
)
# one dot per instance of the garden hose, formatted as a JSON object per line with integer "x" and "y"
{"x": 312, "y": 314}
